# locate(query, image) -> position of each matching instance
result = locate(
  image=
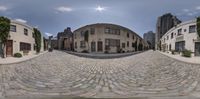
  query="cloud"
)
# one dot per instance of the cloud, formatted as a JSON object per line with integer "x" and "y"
{"x": 21, "y": 20}
{"x": 48, "y": 34}
{"x": 3, "y": 8}
{"x": 186, "y": 10}
{"x": 64, "y": 9}
{"x": 198, "y": 8}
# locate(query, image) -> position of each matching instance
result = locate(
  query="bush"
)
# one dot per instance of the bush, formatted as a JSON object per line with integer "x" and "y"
{"x": 84, "y": 51}
{"x": 18, "y": 55}
{"x": 173, "y": 52}
{"x": 119, "y": 51}
{"x": 186, "y": 53}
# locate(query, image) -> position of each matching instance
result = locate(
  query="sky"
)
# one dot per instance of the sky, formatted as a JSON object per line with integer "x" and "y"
{"x": 53, "y": 16}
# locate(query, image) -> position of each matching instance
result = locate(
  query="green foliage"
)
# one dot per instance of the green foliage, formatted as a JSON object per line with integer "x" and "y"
{"x": 186, "y": 53}
{"x": 4, "y": 33}
{"x": 18, "y": 55}
{"x": 198, "y": 25}
{"x": 4, "y": 29}
{"x": 37, "y": 34}
{"x": 86, "y": 36}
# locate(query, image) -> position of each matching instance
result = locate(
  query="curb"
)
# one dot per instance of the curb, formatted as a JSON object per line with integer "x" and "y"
{"x": 24, "y": 60}
{"x": 179, "y": 60}
{"x": 102, "y": 56}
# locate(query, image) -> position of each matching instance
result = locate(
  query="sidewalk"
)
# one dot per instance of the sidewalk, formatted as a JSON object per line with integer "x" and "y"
{"x": 10, "y": 60}
{"x": 195, "y": 60}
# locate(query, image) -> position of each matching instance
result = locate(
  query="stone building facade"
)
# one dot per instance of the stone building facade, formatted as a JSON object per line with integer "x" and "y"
{"x": 107, "y": 38}
{"x": 65, "y": 39}
{"x": 164, "y": 23}
{"x": 149, "y": 37}
{"x": 181, "y": 37}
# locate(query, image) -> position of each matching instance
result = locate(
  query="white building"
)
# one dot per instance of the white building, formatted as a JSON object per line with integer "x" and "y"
{"x": 21, "y": 39}
{"x": 182, "y": 36}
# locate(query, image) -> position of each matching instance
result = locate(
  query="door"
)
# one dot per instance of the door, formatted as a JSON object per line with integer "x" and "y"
{"x": 100, "y": 46}
{"x": 9, "y": 48}
{"x": 197, "y": 49}
{"x": 93, "y": 46}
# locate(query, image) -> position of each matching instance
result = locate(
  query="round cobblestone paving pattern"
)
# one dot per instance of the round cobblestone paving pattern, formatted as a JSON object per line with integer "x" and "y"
{"x": 148, "y": 74}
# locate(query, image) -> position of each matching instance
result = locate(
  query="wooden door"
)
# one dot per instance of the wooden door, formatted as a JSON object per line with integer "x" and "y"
{"x": 100, "y": 46}
{"x": 9, "y": 48}
{"x": 197, "y": 49}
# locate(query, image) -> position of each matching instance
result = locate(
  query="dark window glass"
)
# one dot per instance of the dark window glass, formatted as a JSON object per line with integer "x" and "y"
{"x": 25, "y": 31}
{"x": 25, "y": 46}
{"x": 13, "y": 28}
{"x": 92, "y": 30}
{"x": 192, "y": 28}
{"x": 123, "y": 45}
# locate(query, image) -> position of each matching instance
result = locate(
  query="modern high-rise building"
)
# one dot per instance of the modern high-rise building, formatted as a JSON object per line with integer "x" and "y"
{"x": 149, "y": 37}
{"x": 164, "y": 23}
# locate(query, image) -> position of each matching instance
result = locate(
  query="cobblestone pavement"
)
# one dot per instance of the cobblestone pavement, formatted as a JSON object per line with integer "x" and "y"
{"x": 148, "y": 74}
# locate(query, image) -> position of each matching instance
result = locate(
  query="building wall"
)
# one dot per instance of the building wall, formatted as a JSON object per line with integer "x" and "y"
{"x": 164, "y": 23}
{"x": 100, "y": 35}
{"x": 19, "y": 36}
{"x": 189, "y": 38}
{"x": 150, "y": 37}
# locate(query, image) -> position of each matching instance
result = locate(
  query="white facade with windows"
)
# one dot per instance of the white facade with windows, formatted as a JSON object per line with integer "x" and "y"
{"x": 105, "y": 37}
{"x": 181, "y": 37}
{"x": 21, "y": 39}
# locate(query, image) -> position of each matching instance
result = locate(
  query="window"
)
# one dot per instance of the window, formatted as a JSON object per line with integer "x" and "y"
{"x": 92, "y": 30}
{"x": 133, "y": 44}
{"x": 107, "y": 30}
{"x": 112, "y": 42}
{"x": 13, "y": 28}
{"x": 112, "y": 31}
{"x": 82, "y": 44}
{"x": 167, "y": 37}
{"x": 82, "y": 33}
{"x": 133, "y": 37}
{"x": 128, "y": 35}
{"x": 192, "y": 28}
{"x": 172, "y": 35}
{"x": 123, "y": 45}
{"x": 179, "y": 31}
{"x": 25, "y": 46}
{"x": 127, "y": 43}
{"x": 25, "y": 32}
{"x": 75, "y": 45}
{"x": 185, "y": 30}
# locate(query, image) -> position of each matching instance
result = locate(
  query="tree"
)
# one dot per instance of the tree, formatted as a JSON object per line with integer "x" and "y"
{"x": 4, "y": 33}
{"x": 198, "y": 25}
{"x": 86, "y": 38}
{"x": 37, "y": 35}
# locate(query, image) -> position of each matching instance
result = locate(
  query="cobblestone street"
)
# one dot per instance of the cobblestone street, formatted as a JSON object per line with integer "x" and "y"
{"x": 148, "y": 74}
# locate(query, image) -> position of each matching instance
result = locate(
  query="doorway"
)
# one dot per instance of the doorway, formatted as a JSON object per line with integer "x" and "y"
{"x": 93, "y": 46}
{"x": 100, "y": 46}
{"x": 9, "y": 48}
{"x": 197, "y": 48}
